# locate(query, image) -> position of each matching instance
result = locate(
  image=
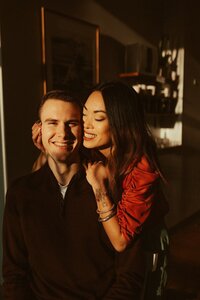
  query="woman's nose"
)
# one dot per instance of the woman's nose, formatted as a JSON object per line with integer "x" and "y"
{"x": 87, "y": 123}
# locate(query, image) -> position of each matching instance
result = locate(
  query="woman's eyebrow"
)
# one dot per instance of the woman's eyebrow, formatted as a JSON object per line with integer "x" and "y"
{"x": 100, "y": 110}
{"x": 96, "y": 111}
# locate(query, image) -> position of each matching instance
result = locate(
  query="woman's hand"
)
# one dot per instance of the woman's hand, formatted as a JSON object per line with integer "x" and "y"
{"x": 37, "y": 136}
{"x": 37, "y": 140}
{"x": 96, "y": 174}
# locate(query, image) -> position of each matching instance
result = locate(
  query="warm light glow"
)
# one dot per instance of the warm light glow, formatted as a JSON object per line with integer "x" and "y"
{"x": 43, "y": 47}
{"x": 170, "y": 137}
{"x": 173, "y": 135}
{"x": 97, "y": 56}
{"x": 180, "y": 72}
{"x": 3, "y": 147}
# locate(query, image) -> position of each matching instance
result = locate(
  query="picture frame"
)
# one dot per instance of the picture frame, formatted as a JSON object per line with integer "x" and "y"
{"x": 70, "y": 52}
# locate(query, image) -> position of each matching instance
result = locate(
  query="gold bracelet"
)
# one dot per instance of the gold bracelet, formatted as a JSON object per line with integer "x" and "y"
{"x": 108, "y": 217}
{"x": 106, "y": 211}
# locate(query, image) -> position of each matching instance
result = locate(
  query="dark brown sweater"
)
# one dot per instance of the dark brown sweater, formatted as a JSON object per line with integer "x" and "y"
{"x": 55, "y": 249}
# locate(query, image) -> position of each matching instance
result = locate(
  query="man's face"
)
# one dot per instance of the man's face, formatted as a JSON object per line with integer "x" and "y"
{"x": 61, "y": 129}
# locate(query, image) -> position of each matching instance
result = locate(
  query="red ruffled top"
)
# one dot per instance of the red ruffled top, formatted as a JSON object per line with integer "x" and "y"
{"x": 139, "y": 190}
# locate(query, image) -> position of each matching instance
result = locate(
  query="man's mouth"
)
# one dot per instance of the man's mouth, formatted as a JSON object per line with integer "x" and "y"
{"x": 64, "y": 143}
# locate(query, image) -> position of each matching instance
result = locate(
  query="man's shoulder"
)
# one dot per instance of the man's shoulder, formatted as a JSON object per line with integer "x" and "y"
{"x": 29, "y": 180}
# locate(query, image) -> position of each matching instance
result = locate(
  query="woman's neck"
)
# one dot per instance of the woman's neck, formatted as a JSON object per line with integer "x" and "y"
{"x": 105, "y": 152}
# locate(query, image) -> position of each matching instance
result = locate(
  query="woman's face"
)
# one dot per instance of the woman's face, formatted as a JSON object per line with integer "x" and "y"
{"x": 96, "y": 126}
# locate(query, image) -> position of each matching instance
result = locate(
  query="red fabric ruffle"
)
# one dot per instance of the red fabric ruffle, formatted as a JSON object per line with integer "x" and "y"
{"x": 139, "y": 190}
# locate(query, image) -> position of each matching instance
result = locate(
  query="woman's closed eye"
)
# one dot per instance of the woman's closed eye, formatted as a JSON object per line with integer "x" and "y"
{"x": 100, "y": 116}
{"x": 99, "y": 119}
{"x": 95, "y": 116}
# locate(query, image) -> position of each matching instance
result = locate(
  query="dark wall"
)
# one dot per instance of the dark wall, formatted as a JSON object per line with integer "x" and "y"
{"x": 21, "y": 66}
{"x": 112, "y": 55}
{"x": 144, "y": 16}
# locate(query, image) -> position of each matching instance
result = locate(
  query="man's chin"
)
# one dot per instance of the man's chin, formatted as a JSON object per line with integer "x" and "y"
{"x": 62, "y": 158}
{"x": 66, "y": 158}
{"x": 59, "y": 158}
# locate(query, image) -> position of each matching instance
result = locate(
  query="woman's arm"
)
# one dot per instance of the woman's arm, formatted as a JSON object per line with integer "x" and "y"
{"x": 96, "y": 174}
{"x": 134, "y": 207}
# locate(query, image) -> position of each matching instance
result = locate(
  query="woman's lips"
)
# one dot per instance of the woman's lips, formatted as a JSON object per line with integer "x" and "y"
{"x": 89, "y": 136}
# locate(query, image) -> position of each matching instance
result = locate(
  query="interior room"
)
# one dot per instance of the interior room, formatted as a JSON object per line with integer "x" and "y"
{"x": 124, "y": 34}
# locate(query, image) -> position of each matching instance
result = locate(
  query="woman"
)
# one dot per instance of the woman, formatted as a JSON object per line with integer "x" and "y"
{"x": 126, "y": 183}
{"x": 123, "y": 169}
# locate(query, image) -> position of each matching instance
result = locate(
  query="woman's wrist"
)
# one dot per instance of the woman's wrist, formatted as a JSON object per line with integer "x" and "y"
{"x": 106, "y": 210}
{"x": 100, "y": 193}
{"x": 104, "y": 203}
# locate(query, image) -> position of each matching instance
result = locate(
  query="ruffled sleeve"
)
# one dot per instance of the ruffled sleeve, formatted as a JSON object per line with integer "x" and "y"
{"x": 139, "y": 189}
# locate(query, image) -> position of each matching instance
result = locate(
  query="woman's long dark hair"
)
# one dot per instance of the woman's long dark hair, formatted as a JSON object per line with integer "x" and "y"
{"x": 131, "y": 137}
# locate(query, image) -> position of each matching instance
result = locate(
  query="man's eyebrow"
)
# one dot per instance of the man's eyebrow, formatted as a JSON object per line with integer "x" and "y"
{"x": 50, "y": 119}
{"x": 68, "y": 121}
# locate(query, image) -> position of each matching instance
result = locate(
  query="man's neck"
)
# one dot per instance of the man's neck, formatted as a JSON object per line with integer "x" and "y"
{"x": 63, "y": 171}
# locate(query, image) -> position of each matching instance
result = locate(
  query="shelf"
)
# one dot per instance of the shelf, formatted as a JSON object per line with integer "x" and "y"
{"x": 136, "y": 77}
{"x": 158, "y": 104}
{"x": 162, "y": 120}
{"x": 147, "y": 78}
{"x": 171, "y": 149}
{"x": 161, "y": 97}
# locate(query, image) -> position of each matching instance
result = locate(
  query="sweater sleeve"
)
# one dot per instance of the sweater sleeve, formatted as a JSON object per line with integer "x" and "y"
{"x": 139, "y": 190}
{"x": 15, "y": 257}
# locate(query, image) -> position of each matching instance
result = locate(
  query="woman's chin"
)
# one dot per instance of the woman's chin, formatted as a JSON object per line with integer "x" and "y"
{"x": 88, "y": 144}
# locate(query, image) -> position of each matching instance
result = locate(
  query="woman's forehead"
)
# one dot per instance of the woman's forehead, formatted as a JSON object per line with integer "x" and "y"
{"x": 95, "y": 102}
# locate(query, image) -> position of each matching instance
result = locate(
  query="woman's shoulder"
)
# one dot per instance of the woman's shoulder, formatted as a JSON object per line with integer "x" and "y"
{"x": 144, "y": 164}
{"x": 141, "y": 173}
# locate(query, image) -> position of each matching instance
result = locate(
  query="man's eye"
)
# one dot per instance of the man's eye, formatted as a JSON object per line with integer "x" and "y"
{"x": 73, "y": 124}
{"x": 52, "y": 123}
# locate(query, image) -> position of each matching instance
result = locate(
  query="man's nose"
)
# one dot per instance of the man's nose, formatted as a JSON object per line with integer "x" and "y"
{"x": 63, "y": 130}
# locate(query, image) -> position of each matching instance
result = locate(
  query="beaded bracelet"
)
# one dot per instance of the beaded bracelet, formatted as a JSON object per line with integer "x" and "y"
{"x": 108, "y": 217}
{"x": 106, "y": 211}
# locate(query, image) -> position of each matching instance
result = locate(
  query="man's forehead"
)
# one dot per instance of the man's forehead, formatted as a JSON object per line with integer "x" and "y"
{"x": 55, "y": 106}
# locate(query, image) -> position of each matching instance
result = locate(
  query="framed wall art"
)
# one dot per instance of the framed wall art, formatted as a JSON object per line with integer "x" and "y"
{"x": 70, "y": 52}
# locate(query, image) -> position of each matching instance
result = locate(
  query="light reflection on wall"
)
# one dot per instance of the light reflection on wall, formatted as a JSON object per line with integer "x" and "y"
{"x": 170, "y": 137}
{"x": 3, "y": 177}
{"x": 3, "y": 174}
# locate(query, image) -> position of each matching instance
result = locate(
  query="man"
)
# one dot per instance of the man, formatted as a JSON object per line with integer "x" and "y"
{"x": 54, "y": 248}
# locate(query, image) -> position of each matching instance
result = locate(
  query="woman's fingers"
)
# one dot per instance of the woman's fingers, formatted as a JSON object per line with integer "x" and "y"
{"x": 37, "y": 136}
